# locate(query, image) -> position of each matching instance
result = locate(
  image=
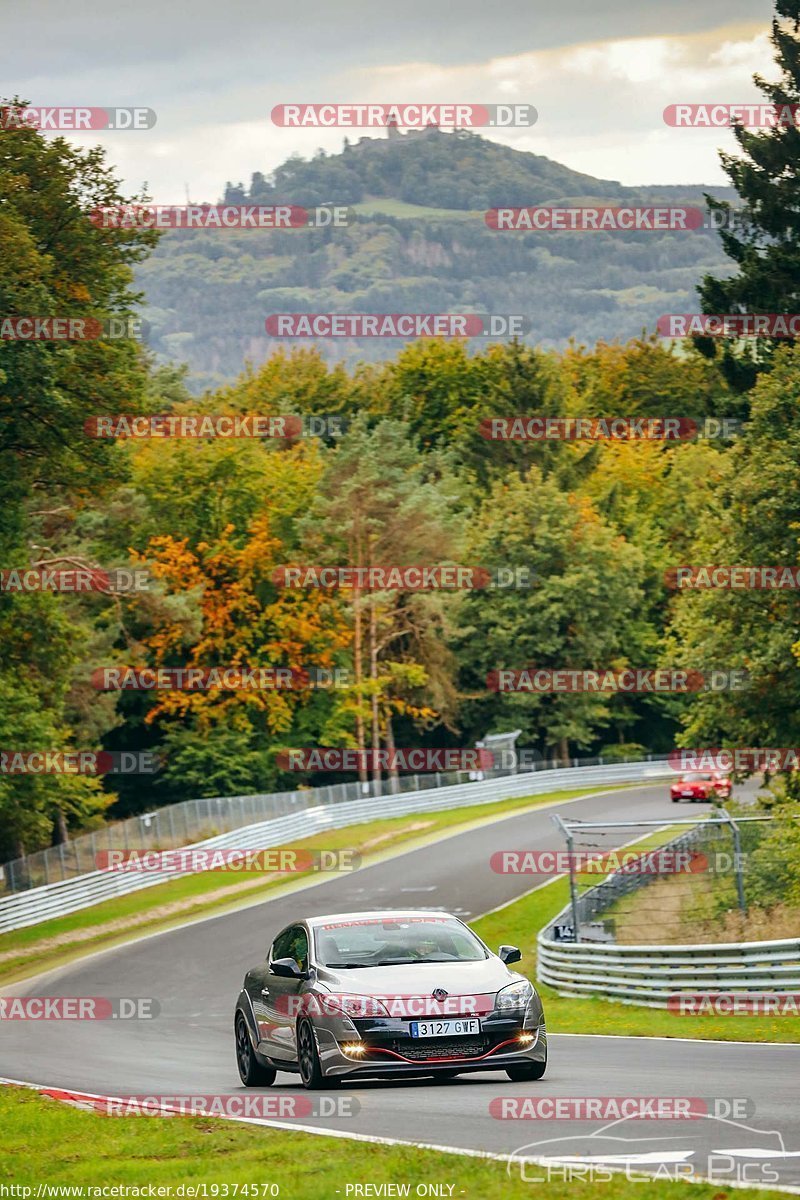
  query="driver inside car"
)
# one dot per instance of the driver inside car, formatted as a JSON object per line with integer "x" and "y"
{"x": 299, "y": 951}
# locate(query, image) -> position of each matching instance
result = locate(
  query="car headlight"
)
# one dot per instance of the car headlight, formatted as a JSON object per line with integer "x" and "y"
{"x": 339, "y": 1004}
{"x": 516, "y": 995}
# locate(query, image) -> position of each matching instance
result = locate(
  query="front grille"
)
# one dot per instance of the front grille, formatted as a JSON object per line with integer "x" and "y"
{"x": 441, "y": 1047}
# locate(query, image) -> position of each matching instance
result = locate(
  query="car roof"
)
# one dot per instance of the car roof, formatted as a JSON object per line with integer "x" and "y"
{"x": 377, "y": 913}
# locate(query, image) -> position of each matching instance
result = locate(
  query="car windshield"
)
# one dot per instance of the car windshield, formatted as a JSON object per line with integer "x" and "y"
{"x": 695, "y": 777}
{"x": 392, "y": 941}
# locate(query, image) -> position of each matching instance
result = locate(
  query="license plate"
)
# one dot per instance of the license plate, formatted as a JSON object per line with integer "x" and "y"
{"x": 686, "y": 794}
{"x": 422, "y": 1029}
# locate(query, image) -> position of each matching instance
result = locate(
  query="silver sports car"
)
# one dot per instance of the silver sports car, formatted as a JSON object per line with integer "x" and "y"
{"x": 376, "y": 994}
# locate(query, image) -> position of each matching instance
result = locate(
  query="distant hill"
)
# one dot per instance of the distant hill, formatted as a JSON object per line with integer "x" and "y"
{"x": 420, "y": 244}
{"x": 460, "y": 170}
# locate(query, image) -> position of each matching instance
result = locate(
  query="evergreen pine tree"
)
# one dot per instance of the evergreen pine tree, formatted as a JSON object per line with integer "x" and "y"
{"x": 763, "y": 239}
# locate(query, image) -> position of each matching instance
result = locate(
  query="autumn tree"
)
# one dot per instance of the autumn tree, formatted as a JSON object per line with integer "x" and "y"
{"x": 380, "y": 503}
{"x": 55, "y": 263}
{"x": 218, "y": 601}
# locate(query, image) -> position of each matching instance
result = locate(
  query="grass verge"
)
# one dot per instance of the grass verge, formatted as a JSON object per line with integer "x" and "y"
{"x": 385, "y": 206}
{"x": 52, "y": 943}
{"x": 47, "y": 1142}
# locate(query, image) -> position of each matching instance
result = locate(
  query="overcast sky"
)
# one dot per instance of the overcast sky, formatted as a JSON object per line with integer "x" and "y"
{"x": 600, "y": 73}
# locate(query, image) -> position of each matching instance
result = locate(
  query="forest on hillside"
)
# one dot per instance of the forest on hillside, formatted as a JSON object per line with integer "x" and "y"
{"x": 418, "y": 242}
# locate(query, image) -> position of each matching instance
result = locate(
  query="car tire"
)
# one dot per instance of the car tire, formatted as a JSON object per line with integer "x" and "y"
{"x": 676, "y": 799}
{"x": 251, "y": 1072}
{"x": 534, "y": 1070}
{"x": 308, "y": 1057}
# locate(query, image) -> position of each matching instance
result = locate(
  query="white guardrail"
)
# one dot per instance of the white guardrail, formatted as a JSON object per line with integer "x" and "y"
{"x": 57, "y": 899}
{"x": 652, "y": 975}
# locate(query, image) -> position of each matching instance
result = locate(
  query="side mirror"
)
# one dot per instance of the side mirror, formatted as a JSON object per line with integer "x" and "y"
{"x": 509, "y": 954}
{"x": 287, "y": 968}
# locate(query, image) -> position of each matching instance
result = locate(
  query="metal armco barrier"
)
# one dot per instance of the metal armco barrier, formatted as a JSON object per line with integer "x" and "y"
{"x": 194, "y": 821}
{"x": 57, "y": 899}
{"x": 650, "y": 975}
{"x": 653, "y": 975}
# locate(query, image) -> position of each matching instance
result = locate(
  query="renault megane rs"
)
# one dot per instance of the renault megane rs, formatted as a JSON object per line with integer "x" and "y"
{"x": 379, "y": 994}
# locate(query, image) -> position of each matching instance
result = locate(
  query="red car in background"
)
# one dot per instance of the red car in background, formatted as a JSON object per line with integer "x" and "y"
{"x": 701, "y": 785}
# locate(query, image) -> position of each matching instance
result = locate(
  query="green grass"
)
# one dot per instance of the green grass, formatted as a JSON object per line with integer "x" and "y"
{"x": 518, "y": 925}
{"x": 38, "y": 947}
{"x": 383, "y": 206}
{"x": 45, "y": 1141}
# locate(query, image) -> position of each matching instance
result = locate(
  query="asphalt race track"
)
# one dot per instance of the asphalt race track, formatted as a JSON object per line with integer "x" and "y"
{"x": 195, "y": 973}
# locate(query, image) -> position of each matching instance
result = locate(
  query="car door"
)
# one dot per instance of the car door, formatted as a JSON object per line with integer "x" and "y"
{"x": 279, "y": 998}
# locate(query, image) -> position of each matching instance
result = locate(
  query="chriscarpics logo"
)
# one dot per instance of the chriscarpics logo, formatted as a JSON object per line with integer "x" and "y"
{"x": 714, "y": 1141}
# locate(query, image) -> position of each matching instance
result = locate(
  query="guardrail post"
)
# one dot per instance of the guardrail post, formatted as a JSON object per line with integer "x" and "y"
{"x": 737, "y": 851}
{"x": 737, "y": 858}
{"x": 573, "y": 895}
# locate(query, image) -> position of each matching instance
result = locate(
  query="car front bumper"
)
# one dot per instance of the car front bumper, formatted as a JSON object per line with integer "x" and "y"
{"x": 388, "y": 1050}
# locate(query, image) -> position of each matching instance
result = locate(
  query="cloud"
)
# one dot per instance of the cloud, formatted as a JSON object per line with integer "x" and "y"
{"x": 600, "y": 104}
{"x": 600, "y": 100}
